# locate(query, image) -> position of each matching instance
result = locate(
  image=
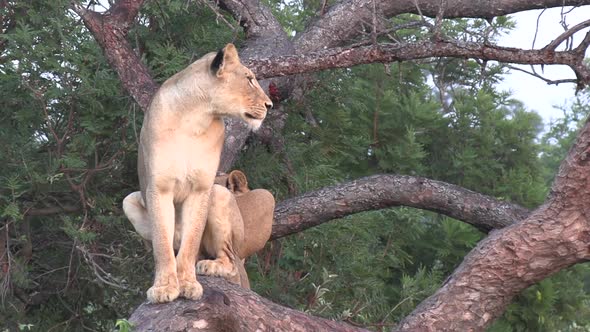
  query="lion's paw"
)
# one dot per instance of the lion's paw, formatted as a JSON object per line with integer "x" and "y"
{"x": 162, "y": 294}
{"x": 191, "y": 290}
{"x": 216, "y": 268}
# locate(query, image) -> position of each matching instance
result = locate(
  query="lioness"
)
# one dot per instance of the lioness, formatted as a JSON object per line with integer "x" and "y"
{"x": 238, "y": 225}
{"x": 179, "y": 150}
{"x": 257, "y": 210}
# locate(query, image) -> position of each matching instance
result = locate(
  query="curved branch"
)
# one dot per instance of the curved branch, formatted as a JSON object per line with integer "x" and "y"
{"x": 387, "y": 190}
{"x": 567, "y": 34}
{"x": 544, "y": 79}
{"x": 552, "y": 238}
{"x": 227, "y": 307}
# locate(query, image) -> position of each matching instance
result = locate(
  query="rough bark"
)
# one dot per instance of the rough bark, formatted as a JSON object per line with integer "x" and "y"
{"x": 388, "y": 190}
{"x": 386, "y": 53}
{"x": 227, "y": 307}
{"x": 553, "y": 237}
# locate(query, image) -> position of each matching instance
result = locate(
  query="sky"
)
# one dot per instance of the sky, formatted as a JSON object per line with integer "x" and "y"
{"x": 535, "y": 93}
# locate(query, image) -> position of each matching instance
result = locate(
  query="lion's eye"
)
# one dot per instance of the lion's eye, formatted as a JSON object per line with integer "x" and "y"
{"x": 250, "y": 80}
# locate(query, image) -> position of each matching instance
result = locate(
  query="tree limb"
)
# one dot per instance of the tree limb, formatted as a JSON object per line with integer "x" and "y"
{"x": 385, "y": 53}
{"x": 387, "y": 190}
{"x": 51, "y": 210}
{"x": 228, "y": 307}
{"x": 553, "y": 237}
{"x": 567, "y": 34}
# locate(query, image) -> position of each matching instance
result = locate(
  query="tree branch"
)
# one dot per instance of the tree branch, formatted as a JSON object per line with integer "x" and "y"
{"x": 567, "y": 34}
{"x": 384, "y": 53}
{"x": 228, "y": 307}
{"x": 544, "y": 79}
{"x": 553, "y": 237}
{"x": 387, "y": 190}
{"x": 46, "y": 211}
{"x": 110, "y": 31}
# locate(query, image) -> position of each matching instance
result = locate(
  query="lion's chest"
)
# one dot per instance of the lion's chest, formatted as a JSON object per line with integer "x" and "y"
{"x": 184, "y": 162}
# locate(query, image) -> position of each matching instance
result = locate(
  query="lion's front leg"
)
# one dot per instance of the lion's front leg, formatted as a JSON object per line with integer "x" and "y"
{"x": 161, "y": 213}
{"x": 193, "y": 214}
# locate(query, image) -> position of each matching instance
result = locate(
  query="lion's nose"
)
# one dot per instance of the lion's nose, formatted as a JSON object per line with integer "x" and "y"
{"x": 268, "y": 105}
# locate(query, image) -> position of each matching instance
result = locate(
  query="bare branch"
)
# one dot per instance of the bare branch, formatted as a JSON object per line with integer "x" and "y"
{"x": 567, "y": 34}
{"x": 218, "y": 13}
{"x": 537, "y": 27}
{"x": 546, "y": 80}
{"x": 387, "y": 190}
{"x": 348, "y": 57}
{"x": 46, "y": 211}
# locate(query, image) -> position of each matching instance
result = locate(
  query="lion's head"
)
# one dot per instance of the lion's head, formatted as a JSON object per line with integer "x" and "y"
{"x": 236, "y": 181}
{"x": 237, "y": 92}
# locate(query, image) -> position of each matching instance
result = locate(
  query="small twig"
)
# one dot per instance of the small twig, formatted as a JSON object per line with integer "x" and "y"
{"x": 70, "y": 263}
{"x": 6, "y": 247}
{"x": 99, "y": 272}
{"x": 218, "y": 14}
{"x": 419, "y": 10}
{"x": 395, "y": 307}
{"x": 546, "y": 80}
{"x": 537, "y": 27}
{"x": 49, "y": 272}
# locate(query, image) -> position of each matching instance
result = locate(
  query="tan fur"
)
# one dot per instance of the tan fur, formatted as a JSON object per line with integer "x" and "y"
{"x": 179, "y": 150}
{"x": 239, "y": 224}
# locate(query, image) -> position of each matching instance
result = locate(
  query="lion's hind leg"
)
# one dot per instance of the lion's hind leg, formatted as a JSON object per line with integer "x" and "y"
{"x": 135, "y": 211}
{"x": 224, "y": 233}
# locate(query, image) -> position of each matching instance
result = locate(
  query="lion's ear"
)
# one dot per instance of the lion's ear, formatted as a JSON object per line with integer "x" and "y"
{"x": 237, "y": 182}
{"x": 225, "y": 59}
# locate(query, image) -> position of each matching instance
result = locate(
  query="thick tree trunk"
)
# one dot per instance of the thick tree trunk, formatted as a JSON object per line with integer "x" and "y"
{"x": 228, "y": 307}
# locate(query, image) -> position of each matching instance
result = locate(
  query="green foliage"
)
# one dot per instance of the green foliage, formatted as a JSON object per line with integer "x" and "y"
{"x": 123, "y": 325}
